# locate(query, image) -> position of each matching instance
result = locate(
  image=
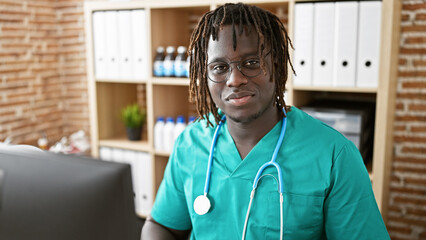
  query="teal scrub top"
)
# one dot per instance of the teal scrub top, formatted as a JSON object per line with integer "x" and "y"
{"x": 327, "y": 190}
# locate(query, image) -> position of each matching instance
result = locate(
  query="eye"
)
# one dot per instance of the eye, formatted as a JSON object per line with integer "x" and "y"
{"x": 251, "y": 63}
{"x": 218, "y": 67}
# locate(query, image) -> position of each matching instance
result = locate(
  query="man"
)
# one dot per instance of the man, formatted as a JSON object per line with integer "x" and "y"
{"x": 238, "y": 75}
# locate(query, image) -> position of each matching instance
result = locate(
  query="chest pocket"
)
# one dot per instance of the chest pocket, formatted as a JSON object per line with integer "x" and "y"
{"x": 303, "y": 216}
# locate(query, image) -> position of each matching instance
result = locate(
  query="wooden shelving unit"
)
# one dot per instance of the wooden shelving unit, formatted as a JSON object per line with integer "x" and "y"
{"x": 170, "y": 23}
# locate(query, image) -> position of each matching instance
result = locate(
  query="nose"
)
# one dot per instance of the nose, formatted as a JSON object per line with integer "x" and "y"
{"x": 236, "y": 77}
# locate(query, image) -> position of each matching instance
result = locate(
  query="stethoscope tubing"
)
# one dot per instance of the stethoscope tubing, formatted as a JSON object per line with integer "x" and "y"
{"x": 208, "y": 173}
{"x": 204, "y": 199}
{"x": 273, "y": 160}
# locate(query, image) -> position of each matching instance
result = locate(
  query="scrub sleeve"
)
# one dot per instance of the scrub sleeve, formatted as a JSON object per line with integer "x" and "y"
{"x": 352, "y": 212}
{"x": 172, "y": 210}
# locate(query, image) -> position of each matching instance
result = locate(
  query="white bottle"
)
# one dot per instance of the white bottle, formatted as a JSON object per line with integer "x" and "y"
{"x": 158, "y": 134}
{"x": 180, "y": 62}
{"x": 179, "y": 127}
{"x": 168, "y": 134}
{"x": 169, "y": 62}
{"x": 191, "y": 119}
{"x": 159, "y": 62}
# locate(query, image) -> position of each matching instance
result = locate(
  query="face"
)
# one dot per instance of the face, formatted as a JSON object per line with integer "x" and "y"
{"x": 241, "y": 98}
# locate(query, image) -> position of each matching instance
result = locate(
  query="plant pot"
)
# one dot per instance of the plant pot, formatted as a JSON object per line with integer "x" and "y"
{"x": 134, "y": 134}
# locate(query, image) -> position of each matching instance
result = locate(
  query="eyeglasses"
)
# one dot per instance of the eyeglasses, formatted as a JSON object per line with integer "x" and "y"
{"x": 219, "y": 71}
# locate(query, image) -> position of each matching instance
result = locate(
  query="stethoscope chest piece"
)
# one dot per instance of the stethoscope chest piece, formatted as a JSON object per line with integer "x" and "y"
{"x": 202, "y": 205}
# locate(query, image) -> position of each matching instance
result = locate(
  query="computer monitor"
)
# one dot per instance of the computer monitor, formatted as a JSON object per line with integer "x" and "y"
{"x": 49, "y": 196}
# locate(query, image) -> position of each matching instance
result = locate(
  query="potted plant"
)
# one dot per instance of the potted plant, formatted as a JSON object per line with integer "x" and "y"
{"x": 133, "y": 118}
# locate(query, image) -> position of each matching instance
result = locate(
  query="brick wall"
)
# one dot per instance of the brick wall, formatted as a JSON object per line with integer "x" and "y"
{"x": 407, "y": 203}
{"x": 42, "y": 69}
{"x": 43, "y": 88}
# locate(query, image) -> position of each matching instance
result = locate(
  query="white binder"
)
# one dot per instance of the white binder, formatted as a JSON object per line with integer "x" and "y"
{"x": 117, "y": 155}
{"x": 323, "y": 43}
{"x": 346, "y": 32}
{"x": 125, "y": 44}
{"x": 303, "y": 43}
{"x": 99, "y": 44}
{"x": 140, "y": 47}
{"x": 112, "y": 66}
{"x": 368, "y": 43}
{"x": 144, "y": 178}
{"x": 105, "y": 153}
{"x": 130, "y": 158}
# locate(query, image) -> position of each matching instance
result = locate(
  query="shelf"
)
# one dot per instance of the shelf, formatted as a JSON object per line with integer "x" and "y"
{"x": 172, "y": 81}
{"x": 136, "y": 81}
{"x": 335, "y": 89}
{"x": 170, "y": 23}
{"x": 124, "y": 143}
{"x": 162, "y": 153}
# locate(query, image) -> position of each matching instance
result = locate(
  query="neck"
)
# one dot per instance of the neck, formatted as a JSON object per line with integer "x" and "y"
{"x": 247, "y": 134}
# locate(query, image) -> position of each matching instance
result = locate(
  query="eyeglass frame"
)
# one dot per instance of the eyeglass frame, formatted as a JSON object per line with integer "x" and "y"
{"x": 230, "y": 69}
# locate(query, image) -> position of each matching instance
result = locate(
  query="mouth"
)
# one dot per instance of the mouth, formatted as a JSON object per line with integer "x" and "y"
{"x": 239, "y": 99}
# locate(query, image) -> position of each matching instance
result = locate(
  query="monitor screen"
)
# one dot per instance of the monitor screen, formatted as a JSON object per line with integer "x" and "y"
{"x": 49, "y": 196}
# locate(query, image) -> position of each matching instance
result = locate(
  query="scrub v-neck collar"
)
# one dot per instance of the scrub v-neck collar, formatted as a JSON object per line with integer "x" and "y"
{"x": 228, "y": 154}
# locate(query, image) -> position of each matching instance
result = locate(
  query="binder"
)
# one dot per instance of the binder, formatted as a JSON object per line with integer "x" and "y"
{"x": 129, "y": 157}
{"x": 323, "y": 43}
{"x": 346, "y": 32}
{"x": 125, "y": 44}
{"x": 368, "y": 43}
{"x": 140, "y": 48}
{"x": 99, "y": 44}
{"x": 117, "y": 155}
{"x": 303, "y": 43}
{"x": 105, "y": 153}
{"x": 112, "y": 66}
{"x": 144, "y": 178}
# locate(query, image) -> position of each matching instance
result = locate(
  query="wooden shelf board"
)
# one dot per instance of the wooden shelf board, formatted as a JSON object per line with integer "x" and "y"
{"x": 162, "y": 153}
{"x": 170, "y": 81}
{"x": 138, "y": 81}
{"x": 124, "y": 143}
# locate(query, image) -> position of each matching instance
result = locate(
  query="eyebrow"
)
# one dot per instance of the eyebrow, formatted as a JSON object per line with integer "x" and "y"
{"x": 224, "y": 59}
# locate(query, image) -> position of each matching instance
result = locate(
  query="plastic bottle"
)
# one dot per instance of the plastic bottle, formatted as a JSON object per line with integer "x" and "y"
{"x": 187, "y": 64}
{"x": 180, "y": 62}
{"x": 168, "y": 134}
{"x": 169, "y": 62}
{"x": 158, "y": 134}
{"x": 159, "y": 62}
{"x": 191, "y": 119}
{"x": 179, "y": 127}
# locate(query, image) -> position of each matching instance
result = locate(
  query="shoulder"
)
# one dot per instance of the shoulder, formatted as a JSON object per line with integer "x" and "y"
{"x": 311, "y": 135}
{"x": 196, "y": 131}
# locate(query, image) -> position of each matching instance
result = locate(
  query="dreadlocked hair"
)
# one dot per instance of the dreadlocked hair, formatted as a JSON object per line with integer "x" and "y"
{"x": 242, "y": 17}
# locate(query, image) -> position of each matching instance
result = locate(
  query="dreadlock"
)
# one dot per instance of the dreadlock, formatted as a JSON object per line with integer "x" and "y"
{"x": 270, "y": 31}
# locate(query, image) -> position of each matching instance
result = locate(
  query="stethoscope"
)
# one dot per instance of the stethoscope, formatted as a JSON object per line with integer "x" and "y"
{"x": 202, "y": 203}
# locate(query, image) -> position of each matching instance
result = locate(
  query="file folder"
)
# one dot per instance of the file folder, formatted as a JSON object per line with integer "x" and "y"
{"x": 105, "y": 153}
{"x": 303, "y": 43}
{"x": 125, "y": 44}
{"x": 140, "y": 47}
{"x": 99, "y": 44}
{"x": 117, "y": 155}
{"x": 346, "y": 32}
{"x": 368, "y": 43}
{"x": 112, "y": 66}
{"x": 323, "y": 43}
{"x": 129, "y": 157}
{"x": 145, "y": 180}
